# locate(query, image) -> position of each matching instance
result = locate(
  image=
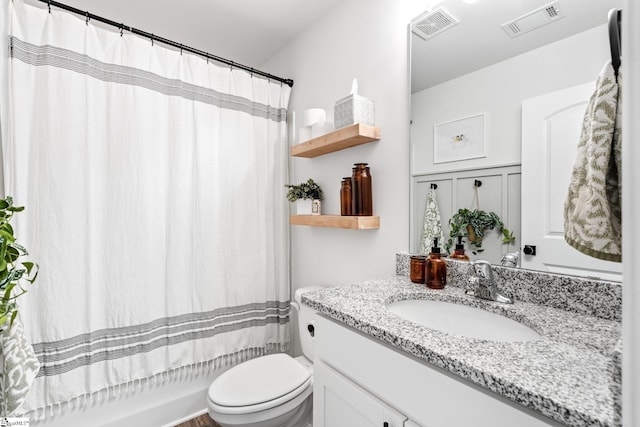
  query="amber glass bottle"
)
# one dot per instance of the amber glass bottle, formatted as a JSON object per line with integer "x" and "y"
{"x": 435, "y": 269}
{"x": 346, "y": 199}
{"x": 458, "y": 253}
{"x": 367, "y": 194}
{"x": 356, "y": 191}
{"x": 416, "y": 271}
{"x": 361, "y": 190}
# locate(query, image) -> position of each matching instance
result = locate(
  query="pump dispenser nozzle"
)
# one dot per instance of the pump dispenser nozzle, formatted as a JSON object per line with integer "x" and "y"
{"x": 435, "y": 249}
{"x": 459, "y": 252}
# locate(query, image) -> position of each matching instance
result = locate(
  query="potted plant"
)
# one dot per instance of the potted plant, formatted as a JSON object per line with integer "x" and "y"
{"x": 474, "y": 224}
{"x": 13, "y": 271}
{"x": 307, "y": 196}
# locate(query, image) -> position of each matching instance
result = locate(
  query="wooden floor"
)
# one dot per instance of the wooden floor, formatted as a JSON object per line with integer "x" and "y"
{"x": 201, "y": 421}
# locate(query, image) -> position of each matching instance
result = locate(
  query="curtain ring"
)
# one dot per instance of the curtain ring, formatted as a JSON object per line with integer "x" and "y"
{"x": 231, "y": 66}
{"x": 88, "y": 18}
{"x": 121, "y": 30}
{"x": 49, "y": 5}
{"x": 180, "y": 49}
{"x": 151, "y": 39}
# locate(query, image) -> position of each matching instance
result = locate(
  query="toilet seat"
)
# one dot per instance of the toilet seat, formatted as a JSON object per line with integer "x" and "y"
{"x": 259, "y": 384}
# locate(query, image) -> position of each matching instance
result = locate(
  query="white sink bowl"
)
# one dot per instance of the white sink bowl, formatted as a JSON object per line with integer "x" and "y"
{"x": 462, "y": 320}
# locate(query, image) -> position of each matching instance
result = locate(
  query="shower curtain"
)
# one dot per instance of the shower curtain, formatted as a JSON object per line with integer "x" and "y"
{"x": 153, "y": 183}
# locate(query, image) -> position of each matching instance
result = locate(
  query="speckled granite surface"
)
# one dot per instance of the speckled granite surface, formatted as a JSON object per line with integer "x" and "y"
{"x": 565, "y": 374}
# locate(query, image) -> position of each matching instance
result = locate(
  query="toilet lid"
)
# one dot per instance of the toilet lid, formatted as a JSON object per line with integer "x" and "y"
{"x": 258, "y": 380}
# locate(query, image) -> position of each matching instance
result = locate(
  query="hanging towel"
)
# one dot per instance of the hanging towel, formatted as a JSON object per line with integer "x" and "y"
{"x": 19, "y": 367}
{"x": 592, "y": 210}
{"x": 431, "y": 227}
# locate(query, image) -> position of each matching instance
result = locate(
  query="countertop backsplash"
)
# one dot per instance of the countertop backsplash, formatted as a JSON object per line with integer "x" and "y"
{"x": 600, "y": 298}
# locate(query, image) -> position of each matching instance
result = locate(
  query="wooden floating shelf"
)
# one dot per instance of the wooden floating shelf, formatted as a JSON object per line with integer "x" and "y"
{"x": 339, "y": 139}
{"x": 337, "y": 221}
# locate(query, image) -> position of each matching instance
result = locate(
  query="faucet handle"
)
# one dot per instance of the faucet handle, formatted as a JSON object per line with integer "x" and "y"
{"x": 482, "y": 269}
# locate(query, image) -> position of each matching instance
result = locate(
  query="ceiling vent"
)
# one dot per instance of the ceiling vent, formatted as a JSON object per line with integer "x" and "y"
{"x": 432, "y": 23}
{"x": 532, "y": 20}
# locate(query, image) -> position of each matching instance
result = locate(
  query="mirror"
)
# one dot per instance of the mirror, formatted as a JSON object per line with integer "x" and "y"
{"x": 475, "y": 79}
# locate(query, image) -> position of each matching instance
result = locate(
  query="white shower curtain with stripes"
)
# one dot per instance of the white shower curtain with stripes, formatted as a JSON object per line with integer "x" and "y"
{"x": 154, "y": 190}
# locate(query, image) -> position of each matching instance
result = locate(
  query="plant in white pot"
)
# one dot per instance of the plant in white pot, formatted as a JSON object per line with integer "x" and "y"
{"x": 307, "y": 197}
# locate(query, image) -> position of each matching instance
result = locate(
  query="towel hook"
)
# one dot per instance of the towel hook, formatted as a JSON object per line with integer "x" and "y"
{"x": 477, "y": 183}
{"x": 614, "y": 18}
{"x": 434, "y": 186}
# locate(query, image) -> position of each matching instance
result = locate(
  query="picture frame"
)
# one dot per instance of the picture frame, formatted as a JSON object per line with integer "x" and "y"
{"x": 460, "y": 139}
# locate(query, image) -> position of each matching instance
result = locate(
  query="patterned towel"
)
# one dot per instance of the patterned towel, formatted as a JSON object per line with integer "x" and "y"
{"x": 431, "y": 227}
{"x": 592, "y": 210}
{"x": 20, "y": 366}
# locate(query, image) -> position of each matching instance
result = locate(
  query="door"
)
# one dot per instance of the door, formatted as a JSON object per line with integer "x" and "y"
{"x": 339, "y": 402}
{"x": 551, "y": 126}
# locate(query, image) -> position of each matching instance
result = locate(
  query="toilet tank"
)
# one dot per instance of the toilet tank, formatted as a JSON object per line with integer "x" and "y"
{"x": 305, "y": 322}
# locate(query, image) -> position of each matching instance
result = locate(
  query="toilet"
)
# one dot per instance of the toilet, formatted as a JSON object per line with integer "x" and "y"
{"x": 269, "y": 391}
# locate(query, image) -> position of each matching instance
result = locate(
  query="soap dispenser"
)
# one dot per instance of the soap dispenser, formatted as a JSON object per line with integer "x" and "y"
{"x": 435, "y": 268}
{"x": 459, "y": 252}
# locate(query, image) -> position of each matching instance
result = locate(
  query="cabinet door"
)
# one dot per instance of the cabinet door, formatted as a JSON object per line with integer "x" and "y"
{"x": 338, "y": 402}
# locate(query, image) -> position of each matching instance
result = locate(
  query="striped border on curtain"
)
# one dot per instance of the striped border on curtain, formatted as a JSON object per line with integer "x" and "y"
{"x": 62, "y": 356}
{"x": 63, "y": 58}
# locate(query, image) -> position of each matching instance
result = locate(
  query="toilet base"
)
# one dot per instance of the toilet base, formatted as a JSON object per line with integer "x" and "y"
{"x": 300, "y": 416}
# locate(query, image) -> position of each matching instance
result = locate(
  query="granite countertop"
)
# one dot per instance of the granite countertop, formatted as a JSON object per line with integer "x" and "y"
{"x": 565, "y": 374}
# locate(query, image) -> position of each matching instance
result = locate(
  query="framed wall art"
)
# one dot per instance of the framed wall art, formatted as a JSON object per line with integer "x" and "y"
{"x": 460, "y": 139}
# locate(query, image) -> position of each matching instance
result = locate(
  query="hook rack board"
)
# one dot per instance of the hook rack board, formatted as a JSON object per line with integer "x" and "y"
{"x": 499, "y": 192}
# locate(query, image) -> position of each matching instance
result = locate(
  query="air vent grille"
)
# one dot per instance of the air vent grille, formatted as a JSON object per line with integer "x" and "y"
{"x": 552, "y": 11}
{"x": 534, "y": 19}
{"x": 432, "y": 23}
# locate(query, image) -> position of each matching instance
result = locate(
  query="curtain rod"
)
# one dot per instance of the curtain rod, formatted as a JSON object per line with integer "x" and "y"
{"x": 162, "y": 40}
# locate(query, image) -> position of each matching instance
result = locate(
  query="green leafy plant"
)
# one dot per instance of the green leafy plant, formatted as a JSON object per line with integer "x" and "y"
{"x": 473, "y": 224}
{"x": 14, "y": 272}
{"x": 305, "y": 190}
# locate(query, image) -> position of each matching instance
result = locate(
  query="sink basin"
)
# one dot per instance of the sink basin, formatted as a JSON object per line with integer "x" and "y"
{"x": 462, "y": 320}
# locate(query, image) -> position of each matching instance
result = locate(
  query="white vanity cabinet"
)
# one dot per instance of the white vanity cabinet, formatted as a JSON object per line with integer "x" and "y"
{"x": 341, "y": 403}
{"x": 358, "y": 380}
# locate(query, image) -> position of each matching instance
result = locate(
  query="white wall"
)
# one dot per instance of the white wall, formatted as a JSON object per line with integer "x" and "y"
{"x": 498, "y": 91}
{"x": 367, "y": 40}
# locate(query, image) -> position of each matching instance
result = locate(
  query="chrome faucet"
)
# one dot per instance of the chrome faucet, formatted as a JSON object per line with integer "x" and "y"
{"x": 483, "y": 284}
